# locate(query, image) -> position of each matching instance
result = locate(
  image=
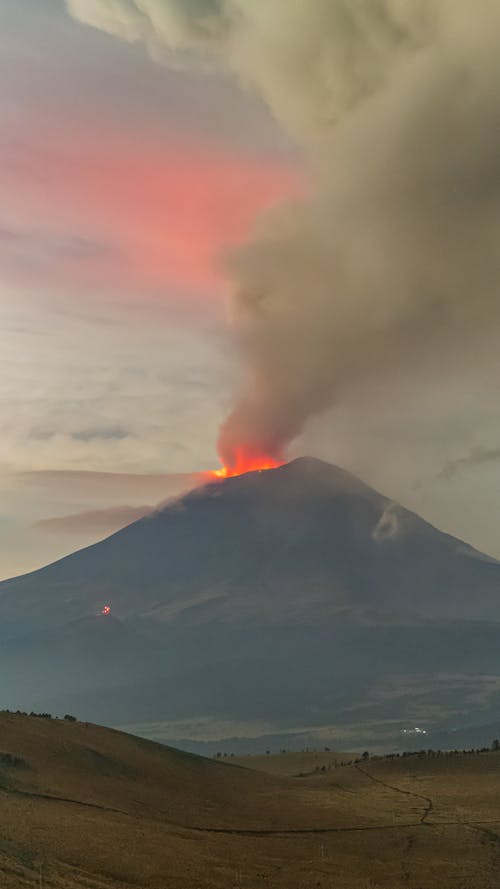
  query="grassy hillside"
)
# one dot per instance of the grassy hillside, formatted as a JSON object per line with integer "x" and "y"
{"x": 294, "y": 765}
{"x": 83, "y": 807}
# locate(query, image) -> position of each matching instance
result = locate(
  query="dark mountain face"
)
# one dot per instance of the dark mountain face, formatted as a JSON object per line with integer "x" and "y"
{"x": 295, "y": 594}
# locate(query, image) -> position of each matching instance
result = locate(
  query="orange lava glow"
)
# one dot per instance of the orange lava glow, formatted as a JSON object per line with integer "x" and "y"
{"x": 246, "y": 462}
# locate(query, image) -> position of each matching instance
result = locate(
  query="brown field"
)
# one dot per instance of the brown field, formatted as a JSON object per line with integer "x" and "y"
{"x": 83, "y": 807}
{"x": 294, "y": 765}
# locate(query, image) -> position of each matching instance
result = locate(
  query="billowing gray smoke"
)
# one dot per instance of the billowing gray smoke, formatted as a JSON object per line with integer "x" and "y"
{"x": 392, "y": 262}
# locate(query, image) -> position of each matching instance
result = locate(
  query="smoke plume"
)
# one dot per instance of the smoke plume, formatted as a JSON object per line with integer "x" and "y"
{"x": 392, "y": 262}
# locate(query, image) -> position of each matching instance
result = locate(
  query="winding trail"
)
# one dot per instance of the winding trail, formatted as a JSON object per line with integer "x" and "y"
{"x": 489, "y": 837}
{"x": 429, "y": 805}
{"x": 62, "y": 799}
{"x": 301, "y": 831}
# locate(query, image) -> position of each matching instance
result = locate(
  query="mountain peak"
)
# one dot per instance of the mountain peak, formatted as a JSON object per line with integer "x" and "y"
{"x": 314, "y": 470}
{"x": 300, "y": 477}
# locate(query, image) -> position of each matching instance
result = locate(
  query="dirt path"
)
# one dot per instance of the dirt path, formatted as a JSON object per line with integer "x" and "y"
{"x": 429, "y": 805}
{"x": 304, "y": 831}
{"x": 492, "y": 840}
{"x": 62, "y": 799}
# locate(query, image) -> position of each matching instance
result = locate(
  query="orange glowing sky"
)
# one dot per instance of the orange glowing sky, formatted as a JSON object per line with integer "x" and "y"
{"x": 163, "y": 215}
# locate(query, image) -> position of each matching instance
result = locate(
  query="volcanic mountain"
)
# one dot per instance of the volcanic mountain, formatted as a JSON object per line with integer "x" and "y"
{"x": 288, "y": 597}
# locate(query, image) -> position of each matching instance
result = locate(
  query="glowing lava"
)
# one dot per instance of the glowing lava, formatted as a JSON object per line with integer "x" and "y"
{"x": 247, "y": 462}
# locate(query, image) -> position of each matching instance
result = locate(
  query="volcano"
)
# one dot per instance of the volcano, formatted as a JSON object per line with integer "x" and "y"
{"x": 296, "y": 596}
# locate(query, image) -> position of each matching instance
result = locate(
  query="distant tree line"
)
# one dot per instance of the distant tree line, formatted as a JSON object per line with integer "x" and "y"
{"x": 365, "y": 756}
{"x": 67, "y": 718}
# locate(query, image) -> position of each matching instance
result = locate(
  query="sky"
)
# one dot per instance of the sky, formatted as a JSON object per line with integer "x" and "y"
{"x": 126, "y": 183}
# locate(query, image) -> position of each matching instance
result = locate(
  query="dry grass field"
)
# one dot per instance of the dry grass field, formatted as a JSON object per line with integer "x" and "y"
{"x": 83, "y": 807}
{"x": 294, "y": 765}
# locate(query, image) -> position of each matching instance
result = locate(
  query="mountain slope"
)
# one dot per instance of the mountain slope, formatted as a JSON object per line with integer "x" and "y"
{"x": 289, "y": 595}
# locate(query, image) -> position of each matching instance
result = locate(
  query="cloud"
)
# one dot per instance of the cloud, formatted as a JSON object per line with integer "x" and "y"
{"x": 88, "y": 434}
{"x": 27, "y": 254}
{"x": 310, "y": 61}
{"x": 478, "y": 456}
{"x": 392, "y": 263}
{"x": 94, "y": 522}
{"x": 115, "y": 486}
{"x": 104, "y": 432}
{"x": 56, "y": 245}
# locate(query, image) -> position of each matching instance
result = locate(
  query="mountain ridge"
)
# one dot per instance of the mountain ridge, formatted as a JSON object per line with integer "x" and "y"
{"x": 316, "y": 469}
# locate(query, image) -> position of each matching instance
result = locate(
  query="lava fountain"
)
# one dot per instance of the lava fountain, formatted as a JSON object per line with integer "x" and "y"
{"x": 246, "y": 460}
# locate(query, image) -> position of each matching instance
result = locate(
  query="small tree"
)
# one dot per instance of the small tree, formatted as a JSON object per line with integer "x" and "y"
{"x": 495, "y": 744}
{"x": 365, "y": 755}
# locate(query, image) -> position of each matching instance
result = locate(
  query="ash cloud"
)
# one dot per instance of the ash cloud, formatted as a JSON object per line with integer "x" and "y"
{"x": 477, "y": 457}
{"x": 392, "y": 262}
